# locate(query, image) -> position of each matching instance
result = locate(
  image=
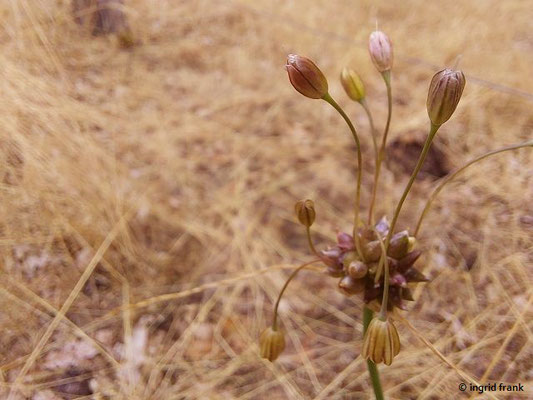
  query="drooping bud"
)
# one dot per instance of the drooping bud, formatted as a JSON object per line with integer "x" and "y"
{"x": 380, "y": 48}
{"x": 399, "y": 245}
{"x": 381, "y": 342}
{"x": 357, "y": 269}
{"x": 305, "y": 212}
{"x": 306, "y": 77}
{"x": 352, "y": 84}
{"x": 350, "y": 286}
{"x": 444, "y": 93}
{"x": 271, "y": 343}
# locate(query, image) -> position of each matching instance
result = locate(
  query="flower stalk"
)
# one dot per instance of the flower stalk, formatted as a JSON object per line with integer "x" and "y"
{"x": 368, "y": 314}
{"x": 339, "y": 109}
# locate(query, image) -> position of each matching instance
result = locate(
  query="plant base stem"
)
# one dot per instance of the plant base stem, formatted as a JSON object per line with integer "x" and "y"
{"x": 368, "y": 314}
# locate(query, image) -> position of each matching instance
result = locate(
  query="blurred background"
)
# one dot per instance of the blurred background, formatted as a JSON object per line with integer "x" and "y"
{"x": 151, "y": 154}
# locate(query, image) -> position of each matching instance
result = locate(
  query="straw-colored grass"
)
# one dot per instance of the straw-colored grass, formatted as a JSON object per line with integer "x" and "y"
{"x": 146, "y": 197}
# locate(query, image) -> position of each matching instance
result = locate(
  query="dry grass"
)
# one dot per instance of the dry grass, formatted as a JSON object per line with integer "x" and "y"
{"x": 147, "y": 200}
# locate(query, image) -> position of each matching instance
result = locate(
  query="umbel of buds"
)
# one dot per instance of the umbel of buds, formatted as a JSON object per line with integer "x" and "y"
{"x": 444, "y": 93}
{"x": 380, "y": 48}
{"x": 305, "y": 212}
{"x": 381, "y": 342}
{"x": 306, "y": 77}
{"x": 352, "y": 84}
{"x": 272, "y": 343}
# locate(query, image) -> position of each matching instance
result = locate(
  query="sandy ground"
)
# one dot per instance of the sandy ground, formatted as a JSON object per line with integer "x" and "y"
{"x": 146, "y": 219}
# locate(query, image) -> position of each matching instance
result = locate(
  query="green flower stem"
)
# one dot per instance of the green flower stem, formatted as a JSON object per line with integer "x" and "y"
{"x": 376, "y": 158}
{"x": 368, "y": 314}
{"x": 310, "y": 241}
{"x": 432, "y": 132}
{"x": 381, "y": 154}
{"x": 451, "y": 176}
{"x": 364, "y": 104}
{"x": 384, "y": 262}
{"x": 334, "y": 104}
{"x": 289, "y": 279}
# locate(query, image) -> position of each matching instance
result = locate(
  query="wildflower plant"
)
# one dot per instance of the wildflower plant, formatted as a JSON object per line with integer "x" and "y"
{"x": 375, "y": 261}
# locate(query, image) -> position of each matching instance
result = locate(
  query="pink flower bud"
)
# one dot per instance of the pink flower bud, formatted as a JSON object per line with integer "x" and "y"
{"x": 380, "y": 48}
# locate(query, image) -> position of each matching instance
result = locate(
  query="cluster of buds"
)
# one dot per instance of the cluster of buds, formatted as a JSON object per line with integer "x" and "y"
{"x": 375, "y": 262}
{"x": 360, "y": 273}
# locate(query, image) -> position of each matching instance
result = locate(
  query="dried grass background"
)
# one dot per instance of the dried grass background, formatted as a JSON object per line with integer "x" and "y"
{"x": 146, "y": 218}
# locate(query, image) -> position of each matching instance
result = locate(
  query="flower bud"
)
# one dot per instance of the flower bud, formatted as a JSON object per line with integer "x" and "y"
{"x": 372, "y": 251}
{"x": 305, "y": 211}
{"x": 306, "y": 77}
{"x": 357, "y": 269}
{"x": 272, "y": 343}
{"x": 399, "y": 245}
{"x": 350, "y": 286}
{"x": 380, "y": 48}
{"x": 381, "y": 342}
{"x": 408, "y": 261}
{"x": 352, "y": 84}
{"x": 444, "y": 94}
{"x": 345, "y": 241}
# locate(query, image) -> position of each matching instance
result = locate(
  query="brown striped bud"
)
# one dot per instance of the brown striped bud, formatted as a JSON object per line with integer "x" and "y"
{"x": 444, "y": 93}
{"x": 352, "y": 84}
{"x": 305, "y": 212}
{"x": 381, "y": 342}
{"x": 380, "y": 48}
{"x": 306, "y": 77}
{"x": 271, "y": 343}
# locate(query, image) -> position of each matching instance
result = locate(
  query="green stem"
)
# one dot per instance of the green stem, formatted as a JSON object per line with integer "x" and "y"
{"x": 432, "y": 132}
{"x": 368, "y": 314}
{"x": 334, "y": 104}
{"x": 381, "y": 154}
{"x": 384, "y": 260}
{"x": 311, "y": 245}
{"x": 376, "y": 158}
{"x": 289, "y": 279}
{"x": 451, "y": 176}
